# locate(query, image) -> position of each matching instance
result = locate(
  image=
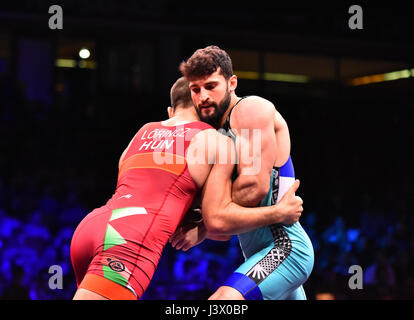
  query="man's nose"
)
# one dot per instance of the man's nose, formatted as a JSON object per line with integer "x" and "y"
{"x": 204, "y": 95}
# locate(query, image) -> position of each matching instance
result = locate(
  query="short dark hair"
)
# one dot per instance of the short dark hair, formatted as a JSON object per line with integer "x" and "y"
{"x": 205, "y": 62}
{"x": 180, "y": 94}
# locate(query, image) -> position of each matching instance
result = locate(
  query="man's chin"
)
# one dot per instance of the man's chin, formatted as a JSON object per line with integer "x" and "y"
{"x": 212, "y": 122}
{"x": 208, "y": 112}
{"x": 205, "y": 118}
{"x": 208, "y": 117}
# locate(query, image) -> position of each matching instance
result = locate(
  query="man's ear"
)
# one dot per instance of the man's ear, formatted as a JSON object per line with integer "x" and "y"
{"x": 170, "y": 111}
{"x": 233, "y": 83}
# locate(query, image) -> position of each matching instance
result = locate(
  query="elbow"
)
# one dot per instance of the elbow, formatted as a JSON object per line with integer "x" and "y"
{"x": 214, "y": 225}
{"x": 254, "y": 191}
{"x": 259, "y": 193}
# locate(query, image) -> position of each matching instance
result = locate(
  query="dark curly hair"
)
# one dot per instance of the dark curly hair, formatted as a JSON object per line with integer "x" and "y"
{"x": 205, "y": 62}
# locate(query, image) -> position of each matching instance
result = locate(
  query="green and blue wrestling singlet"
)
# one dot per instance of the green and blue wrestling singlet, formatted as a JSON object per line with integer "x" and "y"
{"x": 279, "y": 258}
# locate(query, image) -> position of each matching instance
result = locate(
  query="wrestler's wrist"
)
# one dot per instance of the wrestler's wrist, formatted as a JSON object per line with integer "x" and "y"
{"x": 278, "y": 214}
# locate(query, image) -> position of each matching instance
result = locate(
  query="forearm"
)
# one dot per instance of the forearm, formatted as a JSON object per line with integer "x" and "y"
{"x": 231, "y": 219}
{"x": 218, "y": 237}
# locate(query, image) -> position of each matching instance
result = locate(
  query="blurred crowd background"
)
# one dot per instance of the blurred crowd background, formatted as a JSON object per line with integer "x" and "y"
{"x": 64, "y": 122}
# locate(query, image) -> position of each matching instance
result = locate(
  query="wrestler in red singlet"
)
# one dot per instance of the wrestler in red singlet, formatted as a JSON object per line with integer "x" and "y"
{"x": 119, "y": 245}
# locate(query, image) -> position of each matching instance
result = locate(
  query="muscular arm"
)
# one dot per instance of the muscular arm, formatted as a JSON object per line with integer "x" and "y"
{"x": 282, "y": 139}
{"x": 253, "y": 123}
{"x": 224, "y": 217}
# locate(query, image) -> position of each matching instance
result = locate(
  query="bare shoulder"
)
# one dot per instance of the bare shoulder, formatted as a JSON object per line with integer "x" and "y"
{"x": 217, "y": 140}
{"x": 258, "y": 103}
{"x": 253, "y": 111}
{"x": 208, "y": 138}
{"x": 203, "y": 136}
{"x": 214, "y": 143}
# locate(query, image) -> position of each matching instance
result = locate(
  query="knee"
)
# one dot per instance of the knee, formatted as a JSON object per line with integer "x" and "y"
{"x": 83, "y": 294}
{"x": 226, "y": 293}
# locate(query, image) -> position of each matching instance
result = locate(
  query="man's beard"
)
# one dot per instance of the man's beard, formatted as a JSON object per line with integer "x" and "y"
{"x": 219, "y": 110}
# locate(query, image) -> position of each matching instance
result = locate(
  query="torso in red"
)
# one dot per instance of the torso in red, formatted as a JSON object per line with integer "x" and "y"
{"x": 154, "y": 174}
{"x": 154, "y": 191}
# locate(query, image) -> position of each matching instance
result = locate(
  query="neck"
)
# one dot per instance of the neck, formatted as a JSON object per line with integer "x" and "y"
{"x": 186, "y": 114}
{"x": 233, "y": 100}
{"x": 181, "y": 116}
